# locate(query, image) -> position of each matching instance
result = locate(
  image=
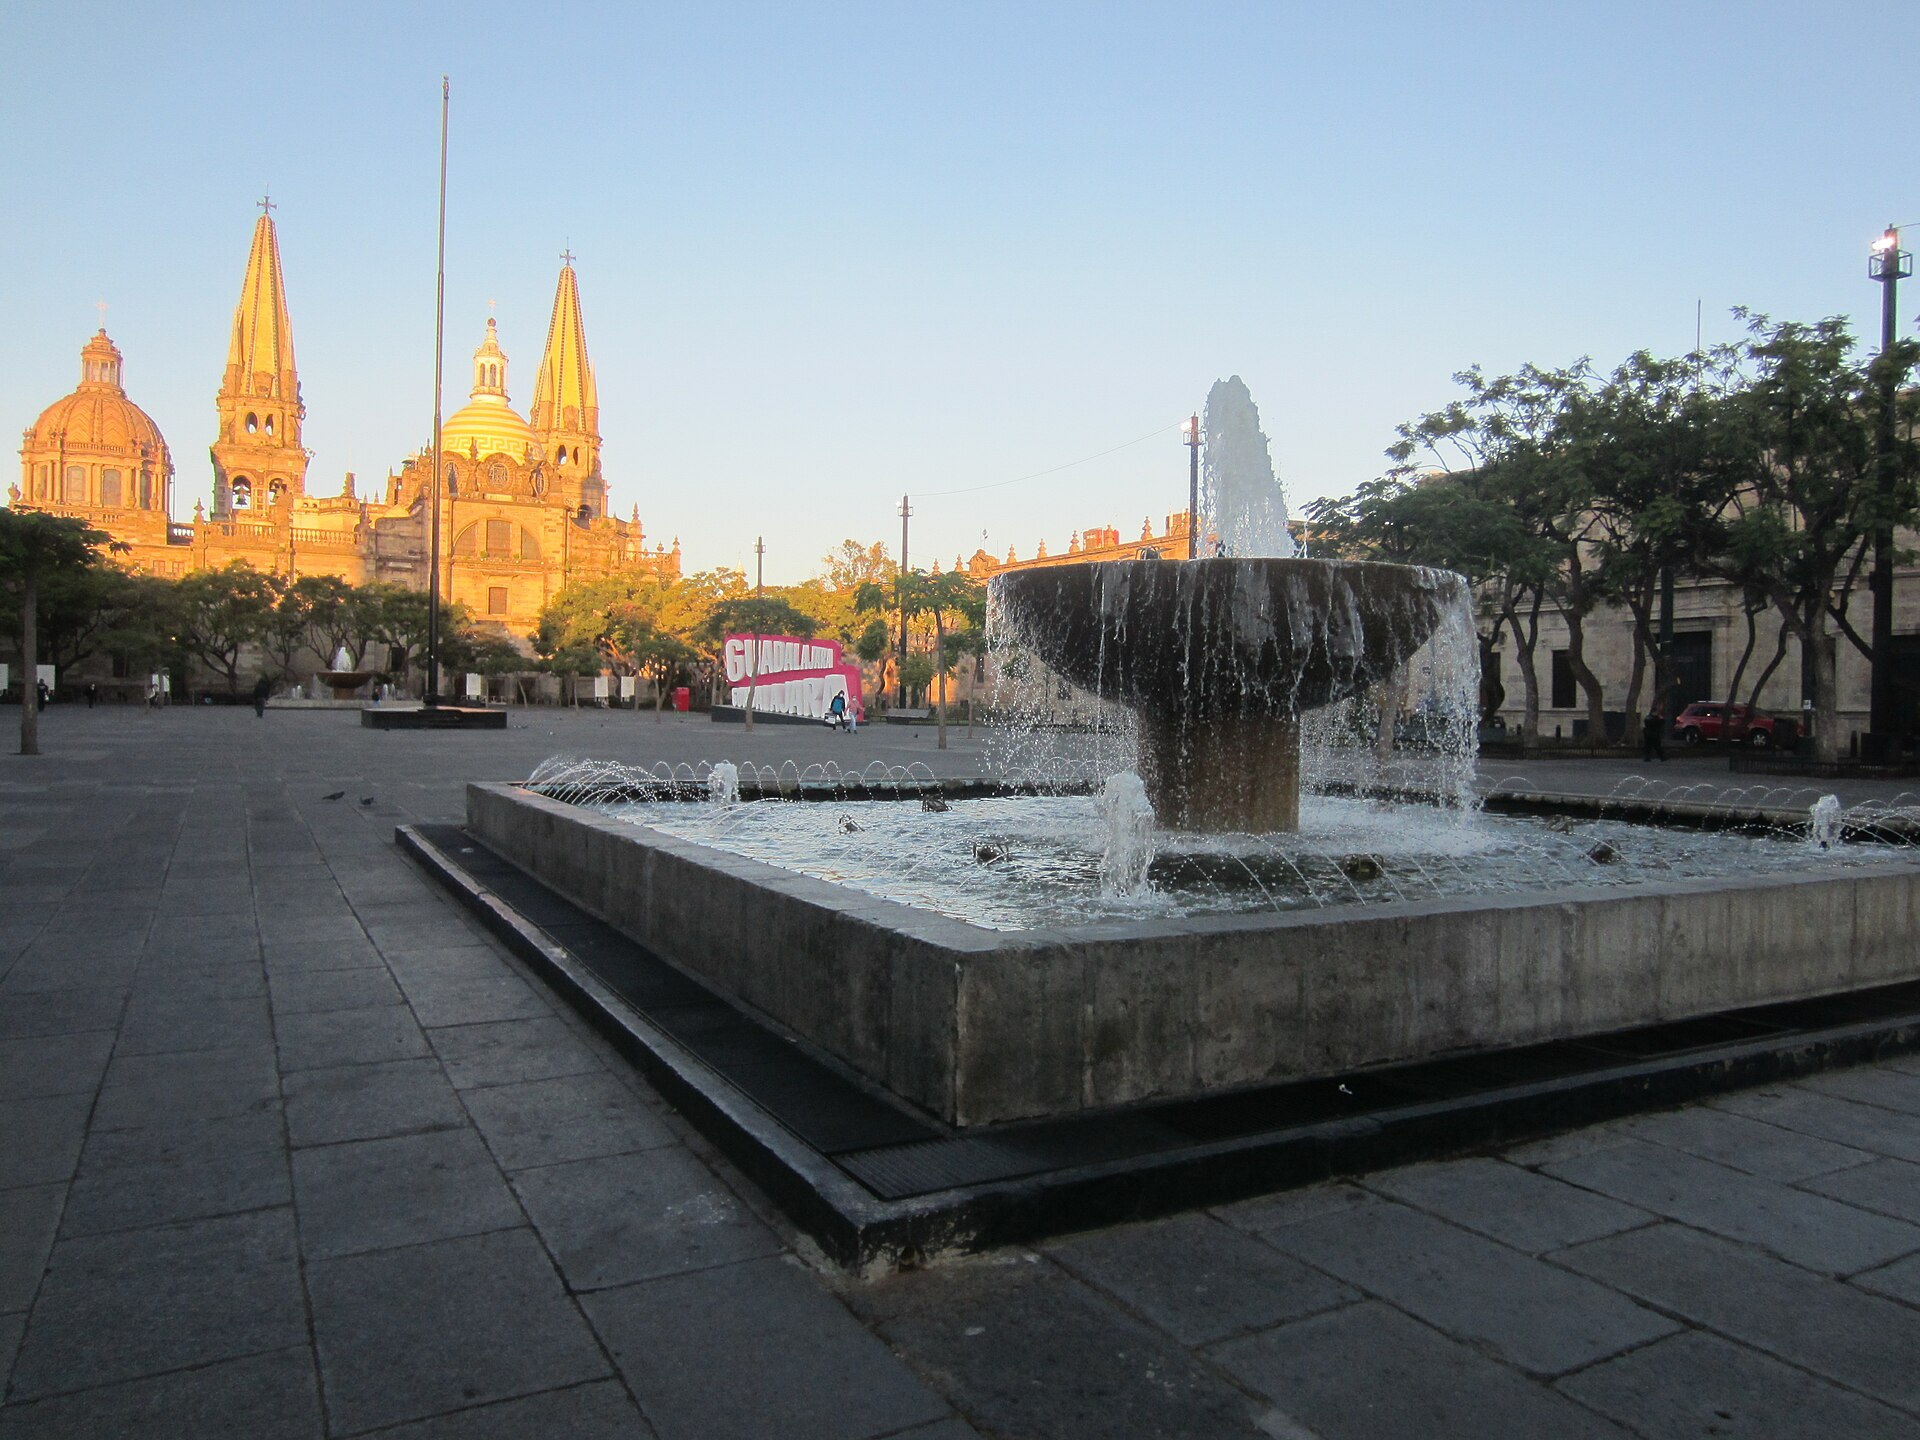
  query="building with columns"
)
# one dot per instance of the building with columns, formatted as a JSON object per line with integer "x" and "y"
{"x": 523, "y": 507}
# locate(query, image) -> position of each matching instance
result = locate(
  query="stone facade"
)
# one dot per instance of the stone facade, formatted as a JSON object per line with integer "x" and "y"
{"x": 523, "y": 510}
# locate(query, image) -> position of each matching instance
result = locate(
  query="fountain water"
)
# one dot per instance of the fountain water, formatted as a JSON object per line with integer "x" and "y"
{"x": 1218, "y": 658}
{"x": 1244, "y": 507}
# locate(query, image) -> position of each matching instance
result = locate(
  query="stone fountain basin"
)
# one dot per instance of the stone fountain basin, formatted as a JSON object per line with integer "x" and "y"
{"x": 975, "y": 1026}
{"x": 1203, "y": 638}
{"x": 344, "y": 682}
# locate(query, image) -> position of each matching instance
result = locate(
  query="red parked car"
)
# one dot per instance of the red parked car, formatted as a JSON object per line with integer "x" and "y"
{"x": 1706, "y": 720}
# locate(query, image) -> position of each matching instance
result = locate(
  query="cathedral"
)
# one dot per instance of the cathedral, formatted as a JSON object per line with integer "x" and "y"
{"x": 523, "y": 504}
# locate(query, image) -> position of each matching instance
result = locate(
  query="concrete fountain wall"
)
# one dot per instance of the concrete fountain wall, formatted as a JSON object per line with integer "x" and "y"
{"x": 976, "y": 1026}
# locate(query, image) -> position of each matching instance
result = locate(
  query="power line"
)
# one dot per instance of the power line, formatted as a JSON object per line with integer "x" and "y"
{"x": 1055, "y": 470}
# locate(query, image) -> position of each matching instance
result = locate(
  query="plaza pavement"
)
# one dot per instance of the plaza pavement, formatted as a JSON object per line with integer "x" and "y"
{"x": 289, "y": 1147}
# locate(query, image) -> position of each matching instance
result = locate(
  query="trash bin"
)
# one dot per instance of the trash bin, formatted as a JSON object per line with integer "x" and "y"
{"x": 682, "y": 697}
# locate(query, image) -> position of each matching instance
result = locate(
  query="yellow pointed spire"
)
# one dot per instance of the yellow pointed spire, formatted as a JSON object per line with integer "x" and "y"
{"x": 566, "y": 403}
{"x": 261, "y": 348}
{"x": 564, "y": 395}
{"x": 258, "y": 454}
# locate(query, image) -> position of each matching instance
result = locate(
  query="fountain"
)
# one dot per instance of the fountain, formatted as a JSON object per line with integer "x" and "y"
{"x": 343, "y": 678}
{"x": 1217, "y": 658}
{"x": 1357, "y": 933}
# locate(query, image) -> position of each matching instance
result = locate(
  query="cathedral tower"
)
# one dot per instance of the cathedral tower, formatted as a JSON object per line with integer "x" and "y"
{"x": 258, "y": 461}
{"x": 566, "y": 403}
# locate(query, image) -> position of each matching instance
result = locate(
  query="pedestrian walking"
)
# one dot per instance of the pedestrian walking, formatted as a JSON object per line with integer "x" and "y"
{"x": 261, "y": 689}
{"x": 1653, "y": 736}
{"x": 41, "y": 691}
{"x": 93, "y": 694}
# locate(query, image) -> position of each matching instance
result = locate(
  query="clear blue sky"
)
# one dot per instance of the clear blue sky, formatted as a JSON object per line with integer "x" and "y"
{"x": 830, "y": 253}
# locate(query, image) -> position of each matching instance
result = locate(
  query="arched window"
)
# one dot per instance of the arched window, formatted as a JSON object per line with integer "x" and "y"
{"x": 453, "y": 481}
{"x": 146, "y": 491}
{"x": 253, "y": 423}
{"x": 242, "y": 493}
{"x": 269, "y": 423}
{"x": 43, "y": 483}
{"x": 110, "y": 488}
{"x": 276, "y": 492}
{"x": 561, "y": 458}
{"x": 76, "y": 492}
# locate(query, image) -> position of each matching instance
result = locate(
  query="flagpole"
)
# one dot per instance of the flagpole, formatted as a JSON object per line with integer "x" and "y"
{"x": 432, "y": 696}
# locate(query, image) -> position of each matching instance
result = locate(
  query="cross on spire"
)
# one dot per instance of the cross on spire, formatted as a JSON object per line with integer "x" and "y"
{"x": 566, "y": 255}
{"x": 490, "y": 309}
{"x": 265, "y": 202}
{"x": 101, "y": 306}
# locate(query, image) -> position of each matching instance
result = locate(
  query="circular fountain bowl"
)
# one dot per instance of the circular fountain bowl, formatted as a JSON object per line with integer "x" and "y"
{"x": 1217, "y": 658}
{"x": 1206, "y": 638}
{"x": 344, "y": 682}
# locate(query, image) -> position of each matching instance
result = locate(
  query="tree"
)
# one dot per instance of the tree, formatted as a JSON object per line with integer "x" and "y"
{"x": 340, "y": 617}
{"x": 398, "y": 617}
{"x": 849, "y": 565}
{"x": 954, "y": 597}
{"x": 288, "y": 628}
{"x": 80, "y": 612}
{"x": 648, "y": 652}
{"x": 38, "y": 549}
{"x": 222, "y": 612}
{"x": 1798, "y": 491}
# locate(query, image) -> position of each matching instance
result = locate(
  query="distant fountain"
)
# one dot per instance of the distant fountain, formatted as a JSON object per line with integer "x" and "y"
{"x": 344, "y": 679}
{"x": 1218, "y": 657}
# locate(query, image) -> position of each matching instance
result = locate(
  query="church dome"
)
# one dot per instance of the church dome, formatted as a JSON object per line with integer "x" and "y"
{"x": 98, "y": 416}
{"x": 487, "y": 424}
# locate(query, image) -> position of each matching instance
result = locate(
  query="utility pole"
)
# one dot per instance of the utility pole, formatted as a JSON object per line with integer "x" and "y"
{"x": 1888, "y": 265}
{"x": 1190, "y": 431}
{"x": 759, "y": 596}
{"x": 906, "y": 513}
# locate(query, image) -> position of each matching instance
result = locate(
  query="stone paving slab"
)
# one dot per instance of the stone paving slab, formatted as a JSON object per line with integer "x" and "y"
{"x": 117, "y": 1307}
{"x": 1197, "y": 1278}
{"x": 1369, "y": 1372}
{"x": 410, "y": 1333}
{"x": 1530, "y": 1314}
{"x": 1861, "y": 1341}
{"x": 1810, "y": 1230}
{"x": 743, "y": 1351}
{"x": 1696, "y": 1384}
{"x": 618, "y": 1219}
{"x": 318, "y": 1135}
{"x": 261, "y": 1397}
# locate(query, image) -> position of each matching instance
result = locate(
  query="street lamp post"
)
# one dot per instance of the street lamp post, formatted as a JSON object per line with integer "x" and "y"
{"x": 759, "y": 600}
{"x": 1889, "y": 265}
{"x": 1190, "y": 437}
{"x": 906, "y": 513}
{"x": 432, "y": 697}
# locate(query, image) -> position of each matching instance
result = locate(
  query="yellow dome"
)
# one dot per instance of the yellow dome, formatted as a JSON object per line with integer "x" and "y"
{"x": 98, "y": 416}
{"x": 487, "y": 426}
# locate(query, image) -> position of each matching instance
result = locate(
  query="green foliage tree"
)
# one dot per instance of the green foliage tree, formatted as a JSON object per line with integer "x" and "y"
{"x": 956, "y": 605}
{"x": 1798, "y": 486}
{"x": 849, "y": 565}
{"x": 38, "y": 549}
{"x": 224, "y": 611}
